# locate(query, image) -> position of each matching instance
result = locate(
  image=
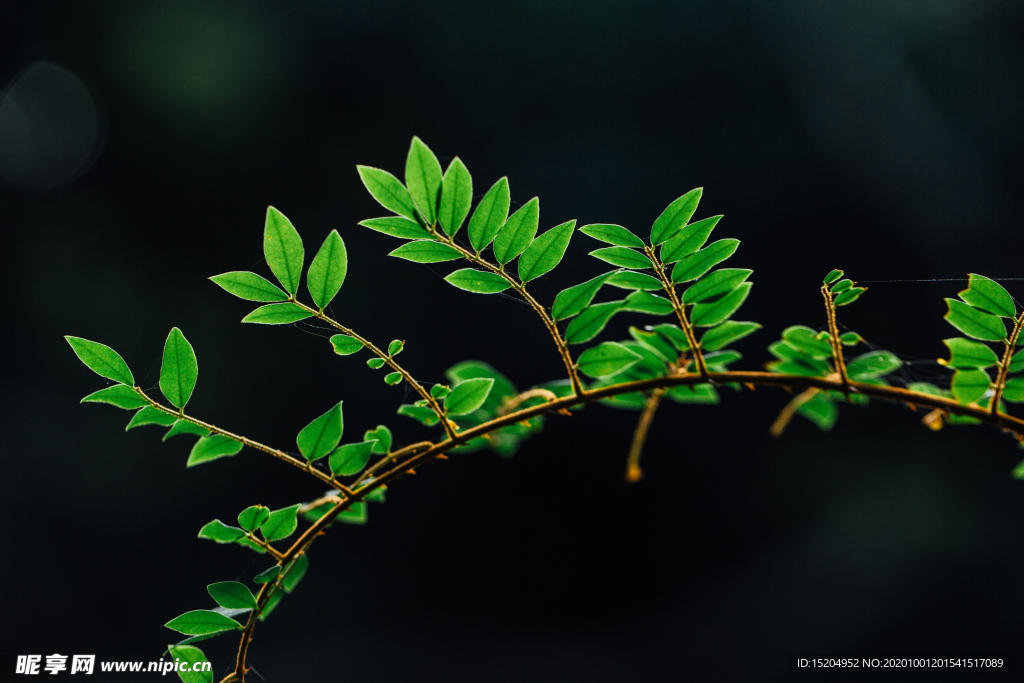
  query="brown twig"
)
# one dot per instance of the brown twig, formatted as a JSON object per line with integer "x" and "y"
{"x": 633, "y": 471}
{"x": 1004, "y": 367}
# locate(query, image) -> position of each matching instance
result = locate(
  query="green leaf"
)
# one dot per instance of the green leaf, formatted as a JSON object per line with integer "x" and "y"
{"x": 545, "y": 252}
{"x": 185, "y": 427}
{"x": 1018, "y": 471}
{"x": 471, "y": 369}
{"x": 388, "y": 191}
{"x": 699, "y": 393}
{"x": 456, "y": 197}
{"x": 628, "y": 279}
{"x": 973, "y": 322}
{"x": 376, "y": 495}
{"x": 267, "y": 575}
{"x": 327, "y": 271}
{"x": 478, "y": 281}
{"x": 392, "y": 378}
{"x": 423, "y": 177}
{"x": 345, "y": 345}
{"x": 351, "y": 458}
{"x": 832, "y": 277}
{"x": 613, "y": 234}
{"x": 571, "y": 301}
{"x": 607, "y": 359}
{"x": 219, "y": 532}
{"x": 989, "y": 295}
{"x": 397, "y": 226}
{"x": 375, "y": 363}
{"x": 119, "y": 395}
{"x": 623, "y": 257}
{"x": 249, "y": 286}
{"x": 723, "y": 358}
{"x": 424, "y": 416}
{"x": 251, "y": 545}
{"x": 280, "y": 523}
{"x": 821, "y": 411}
{"x": 1017, "y": 362}
{"x": 696, "y": 264}
{"x": 277, "y": 314}
{"x": 675, "y": 217}
{"x": 965, "y": 354}
{"x": 467, "y": 396}
{"x": 850, "y": 339}
{"x": 872, "y": 365}
{"x": 321, "y": 436}
{"x": 716, "y": 285}
{"x": 295, "y": 574}
{"x": 489, "y": 216}
{"x": 151, "y": 416}
{"x": 395, "y": 347}
{"x": 1013, "y": 390}
{"x": 849, "y": 296}
{"x": 969, "y": 385}
{"x": 725, "y": 334}
{"x": 806, "y": 339}
{"x": 673, "y": 333}
{"x": 517, "y": 233}
{"x": 232, "y": 595}
{"x": 357, "y": 514}
{"x": 283, "y": 250}
{"x": 439, "y": 391}
{"x": 194, "y": 664}
{"x": 382, "y": 435}
{"x": 179, "y": 369}
{"x": 102, "y": 360}
{"x": 271, "y": 605}
{"x": 425, "y": 251}
{"x": 705, "y": 315}
{"x": 842, "y": 286}
{"x": 253, "y": 517}
{"x": 201, "y": 621}
{"x": 689, "y": 240}
{"x": 211, "y": 448}
{"x": 655, "y": 343}
{"x": 787, "y": 352}
{"x": 591, "y": 321}
{"x": 645, "y": 302}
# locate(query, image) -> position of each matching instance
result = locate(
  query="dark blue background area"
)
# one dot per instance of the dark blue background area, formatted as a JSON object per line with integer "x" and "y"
{"x": 879, "y": 137}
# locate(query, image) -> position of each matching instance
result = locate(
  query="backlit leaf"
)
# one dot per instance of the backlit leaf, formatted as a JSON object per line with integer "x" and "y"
{"x": 267, "y": 575}
{"x": 283, "y": 250}
{"x": 545, "y": 252}
{"x": 185, "y": 427}
{"x": 388, "y": 190}
{"x": 421, "y": 414}
{"x": 456, "y": 197}
{"x": 467, "y": 396}
{"x": 1017, "y": 361}
{"x": 674, "y": 334}
{"x": 202, "y": 621}
{"x": 969, "y": 385}
{"x": 393, "y": 378}
{"x": 806, "y": 339}
{"x": 356, "y": 514}
{"x": 473, "y": 369}
{"x": 345, "y": 345}
{"x": 974, "y": 323}
{"x": 832, "y": 277}
{"x": 277, "y": 314}
{"x": 280, "y": 523}
{"x": 351, "y": 458}
{"x": 655, "y": 343}
{"x": 119, "y": 395}
{"x": 425, "y": 251}
{"x": 321, "y": 436}
{"x": 607, "y": 359}
{"x": 688, "y": 240}
{"x": 220, "y": 532}
{"x": 725, "y": 334}
{"x": 478, "y": 281}
{"x": 423, "y": 178}
{"x": 850, "y": 339}
{"x": 517, "y": 233}
{"x": 645, "y": 302}
{"x": 696, "y": 264}
{"x": 232, "y": 595}
{"x": 151, "y": 416}
{"x": 842, "y": 286}
{"x": 102, "y": 360}
{"x": 699, "y": 393}
{"x": 715, "y": 285}
{"x": 675, "y": 217}
{"x": 989, "y": 295}
{"x": 1013, "y": 390}
{"x": 295, "y": 574}
{"x": 571, "y": 301}
{"x": 821, "y": 411}
{"x": 382, "y": 435}
{"x": 489, "y": 216}
{"x": 705, "y": 315}
{"x": 249, "y": 286}
{"x": 966, "y": 354}
{"x": 395, "y": 347}
{"x": 179, "y": 370}
{"x": 623, "y": 257}
{"x": 613, "y": 234}
{"x": 375, "y": 363}
{"x": 872, "y": 365}
{"x": 253, "y": 517}
{"x": 193, "y": 661}
{"x": 327, "y": 271}
{"x": 628, "y": 279}
{"x": 591, "y": 321}
{"x": 211, "y": 448}
{"x": 397, "y": 226}
{"x": 849, "y": 296}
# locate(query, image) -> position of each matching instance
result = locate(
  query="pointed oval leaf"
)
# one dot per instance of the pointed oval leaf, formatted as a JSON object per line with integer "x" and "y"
{"x": 675, "y": 216}
{"x": 613, "y": 234}
{"x": 591, "y": 321}
{"x": 277, "y": 314}
{"x": 645, "y": 302}
{"x": 151, "y": 415}
{"x": 327, "y": 271}
{"x": 967, "y": 354}
{"x": 989, "y": 295}
{"x": 345, "y": 345}
{"x": 220, "y": 532}
{"x": 478, "y": 281}
{"x": 688, "y": 240}
{"x": 705, "y": 315}
{"x": 201, "y": 621}
{"x": 545, "y": 252}
{"x": 849, "y": 296}
{"x": 467, "y": 396}
{"x": 696, "y": 264}
{"x": 628, "y": 279}
{"x": 456, "y": 197}
{"x": 716, "y": 285}
{"x": 267, "y": 575}
{"x": 969, "y": 385}
{"x": 873, "y": 365}
{"x": 1017, "y": 361}
{"x": 571, "y": 301}
{"x": 975, "y": 323}
{"x": 388, "y": 191}
{"x": 821, "y": 411}
{"x": 249, "y": 286}
{"x": 395, "y": 347}
{"x": 253, "y": 517}
{"x": 321, "y": 436}
{"x": 1013, "y": 390}
{"x": 119, "y": 395}
{"x": 101, "y": 359}
{"x": 607, "y": 359}
{"x": 298, "y": 570}
{"x": 185, "y": 427}
{"x": 726, "y": 333}
{"x": 472, "y": 369}
{"x": 623, "y": 257}
{"x": 375, "y": 363}
{"x": 517, "y": 233}
{"x": 842, "y": 286}
{"x": 421, "y": 414}
{"x": 351, "y": 458}
{"x": 280, "y": 524}
{"x": 426, "y": 251}
{"x": 806, "y": 339}
{"x": 179, "y": 369}
{"x": 212, "y": 448}
{"x": 655, "y": 343}
{"x": 850, "y": 339}
{"x": 232, "y": 595}
{"x": 194, "y": 664}
{"x": 283, "y": 250}
{"x": 397, "y": 226}
{"x": 832, "y": 277}
{"x": 423, "y": 177}
{"x": 393, "y": 378}
{"x": 490, "y": 215}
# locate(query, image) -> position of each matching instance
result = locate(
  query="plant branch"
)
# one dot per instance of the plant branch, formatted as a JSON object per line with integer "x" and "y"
{"x": 782, "y": 421}
{"x": 833, "y": 334}
{"x": 1004, "y": 367}
{"x": 680, "y": 310}
{"x": 633, "y": 471}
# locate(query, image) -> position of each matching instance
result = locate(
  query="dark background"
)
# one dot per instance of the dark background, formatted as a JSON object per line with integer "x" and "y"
{"x": 140, "y": 143}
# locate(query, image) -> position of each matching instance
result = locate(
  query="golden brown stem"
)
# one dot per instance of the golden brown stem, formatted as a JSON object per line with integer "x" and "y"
{"x": 833, "y": 335}
{"x": 636, "y": 449}
{"x": 1004, "y": 367}
{"x": 784, "y": 418}
{"x": 680, "y": 310}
